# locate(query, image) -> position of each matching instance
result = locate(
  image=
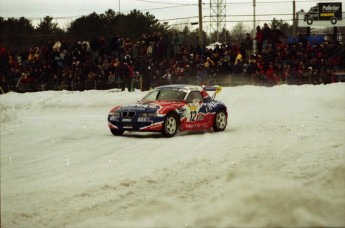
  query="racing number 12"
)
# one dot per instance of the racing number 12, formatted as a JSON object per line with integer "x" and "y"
{"x": 192, "y": 115}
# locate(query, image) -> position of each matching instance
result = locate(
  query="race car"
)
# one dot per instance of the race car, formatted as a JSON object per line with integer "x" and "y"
{"x": 169, "y": 109}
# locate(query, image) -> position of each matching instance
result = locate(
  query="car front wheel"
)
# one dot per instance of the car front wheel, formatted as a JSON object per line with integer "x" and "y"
{"x": 220, "y": 121}
{"x": 170, "y": 125}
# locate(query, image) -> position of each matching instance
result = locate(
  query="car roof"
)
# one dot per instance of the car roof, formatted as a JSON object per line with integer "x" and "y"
{"x": 181, "y": 86}
{"x": 187, "y": 88}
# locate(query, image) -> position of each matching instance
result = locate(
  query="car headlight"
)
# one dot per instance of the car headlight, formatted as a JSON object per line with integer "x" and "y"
{"x": 115, "y": 114}
{"x": 148, "y": 114}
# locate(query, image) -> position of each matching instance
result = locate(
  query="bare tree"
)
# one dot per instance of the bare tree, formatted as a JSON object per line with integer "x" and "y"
{"x": 238, "y": 32}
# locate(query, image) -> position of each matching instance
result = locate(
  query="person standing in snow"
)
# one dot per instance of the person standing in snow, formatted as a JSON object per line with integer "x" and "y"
{"x": 259, "y": 39}
{"x": 128, "y": 73}
{"x": 147, "y": 71}
{"x": 266, "y": 35}
{"x": 248, "y": 46}
{"x": 275, "y": 36}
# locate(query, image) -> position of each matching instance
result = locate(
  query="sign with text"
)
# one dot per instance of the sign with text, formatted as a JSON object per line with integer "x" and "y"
{"x": 322, "y": 15}
{"x": 330, "y": 10}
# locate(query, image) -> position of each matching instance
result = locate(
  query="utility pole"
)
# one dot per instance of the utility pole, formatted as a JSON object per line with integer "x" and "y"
{"x": 200, "y": 24}
{"x": 254, "y": 17}
{"x": 254, "y": 27}
{"x": 119, "y": 6}
{"x": 294, "y": 18}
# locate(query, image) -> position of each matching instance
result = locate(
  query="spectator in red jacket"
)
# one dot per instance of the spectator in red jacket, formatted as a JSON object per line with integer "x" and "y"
{"x": 271, "y": 75}
{"x": 259, "y": 39}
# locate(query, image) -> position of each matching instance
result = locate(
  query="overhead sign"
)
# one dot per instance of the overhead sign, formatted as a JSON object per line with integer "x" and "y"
{"x": 322, "y": 15}
{"x": 330, "y": 11}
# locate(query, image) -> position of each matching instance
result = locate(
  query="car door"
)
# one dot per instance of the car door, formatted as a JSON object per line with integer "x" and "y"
{"x": 193, "y": 104}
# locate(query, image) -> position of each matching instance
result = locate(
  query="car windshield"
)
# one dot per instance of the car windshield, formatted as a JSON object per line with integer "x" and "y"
{"x": 165, "y": 94}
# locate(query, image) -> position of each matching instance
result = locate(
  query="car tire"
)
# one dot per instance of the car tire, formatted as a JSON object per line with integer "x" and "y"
{"x": 220, "y": 121}
{"x": 116, "y": 131}
{"x": 170, "y": 125}
{"x": 309, "y": 21}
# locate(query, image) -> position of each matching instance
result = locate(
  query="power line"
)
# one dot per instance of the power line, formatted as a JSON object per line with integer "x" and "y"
{"x": 170, "y": 19}
{"x": 178, "y": 5}
{"x": 168, "y": 3}
{"x": 271, "y": 2}
{"x": 250, "y": 15}
{"x": 231, "y": 3}
{"x": 247, "y": 15}
{"x": 233, "y": 21}
{"x": 71, "y": 17}
{"x": 159, "y": 8}
{"x": 251, "y": 20}
{"x": 181, "y": 18}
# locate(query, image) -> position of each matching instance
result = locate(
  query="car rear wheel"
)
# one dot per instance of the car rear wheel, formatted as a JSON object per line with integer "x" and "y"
{"x": 116, "y": 131}
{"x": 170, "y": 125}
{"x": 220, "y": 121}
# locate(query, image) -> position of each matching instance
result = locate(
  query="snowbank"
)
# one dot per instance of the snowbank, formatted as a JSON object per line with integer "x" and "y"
{"x": 280, "y": 162}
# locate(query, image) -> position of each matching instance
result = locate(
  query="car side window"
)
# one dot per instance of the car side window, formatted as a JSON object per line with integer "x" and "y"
{"x": 151, "y": 96}
{"x": 194, "y": 95}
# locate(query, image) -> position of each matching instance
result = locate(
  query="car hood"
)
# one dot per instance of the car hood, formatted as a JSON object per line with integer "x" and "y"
{"x": 152, "y": 105}
{"x": 140, "y": 106}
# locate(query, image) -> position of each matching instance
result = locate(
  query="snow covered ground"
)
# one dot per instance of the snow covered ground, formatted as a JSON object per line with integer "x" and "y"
{"x": 280, "y": 162}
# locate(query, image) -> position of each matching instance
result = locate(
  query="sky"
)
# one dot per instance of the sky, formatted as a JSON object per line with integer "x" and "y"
{"x": 173, "y": 12}
{"x": 279, "y": 163}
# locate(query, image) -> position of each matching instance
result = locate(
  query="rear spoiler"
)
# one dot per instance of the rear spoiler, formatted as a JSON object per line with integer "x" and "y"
{"x": 216, "y": 90}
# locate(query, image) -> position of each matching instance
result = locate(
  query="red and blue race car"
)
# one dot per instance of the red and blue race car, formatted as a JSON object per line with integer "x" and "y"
{"x": 170, "y": 108}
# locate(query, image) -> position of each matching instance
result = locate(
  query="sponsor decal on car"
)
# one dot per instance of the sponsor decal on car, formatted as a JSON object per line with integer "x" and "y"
{"x": 209, "y": 106}
{"x": 144, "y": 119}
{"x": 200, "y": 117}
{"x": 193, "y": 107}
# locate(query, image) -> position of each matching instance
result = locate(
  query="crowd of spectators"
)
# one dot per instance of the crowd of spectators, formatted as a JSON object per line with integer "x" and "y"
{"x": 155, "y": 59}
